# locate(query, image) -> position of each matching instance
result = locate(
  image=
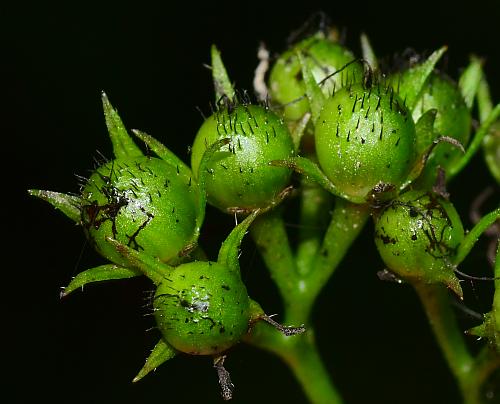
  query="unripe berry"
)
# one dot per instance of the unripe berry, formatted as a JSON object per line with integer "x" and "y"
{"x": 453, "y": 119}
{"x": 417, "y": 236}
{"x": 239, "y": 174}
{"x": 365, "y": 141}
{"x": 202, "y": 308}
{"x": 143, "y": 203}
{"x": 323, "y": 57}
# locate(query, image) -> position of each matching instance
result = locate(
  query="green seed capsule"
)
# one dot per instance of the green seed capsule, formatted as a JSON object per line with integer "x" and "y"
{"x": 143, "y": 203}
{"x": 202, "y": 308}
{"x": 240, "y": 175}
{"x": 323, "y": 57}
{"x": 417, "y": 236}
{"x": 365, "y": 141}
{"x": 453, "y": 119}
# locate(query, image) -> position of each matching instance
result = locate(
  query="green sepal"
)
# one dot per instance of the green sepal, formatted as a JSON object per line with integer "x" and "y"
{"x": 312, "y": 171}
{"x": 420, "y": 163}
{"x": 222, "y": 84}
{"x": 476, "y": 142}
{"x": 424, "y": 129}
{"x": 297, "y": 130}
{"x": 488, "y": 329}
{"x": 154, "y": 269}
{"x": 161, "y": 353}
{"x": 313, "y": 91}
{"x": 473, "y": 235}
{"x": 469, "y": 81}
{"x": 256, "y": 312}
{"x": 163, "y": 152}
{"x": 230, "y": 249}
{"x": 123, "y": 145}
{"x": 451, "y": 281}
{"x": 101, "y": 273}
{"x": 203, "y": 172}
{"x": 425, "y": 138}
{"x": 479, "y": 330}
{"x": 67, "y": 204}
{"x": 416, "y": 77}
{"x": 491, "y": 146}
{"x": 484, "y": 102}
{"x": 368, "y": 52}
{"x": 448, "y": 279}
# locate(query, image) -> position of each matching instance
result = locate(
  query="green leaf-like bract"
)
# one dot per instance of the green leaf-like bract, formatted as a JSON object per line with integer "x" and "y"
{"x": 222, "y": 84}
{"x": 161, "y": 353}
{"x": 67, "y": 204}
{"x": 123, "y": 145}
{"x": 99, "y": 274}
{"x": 229, "y": 251}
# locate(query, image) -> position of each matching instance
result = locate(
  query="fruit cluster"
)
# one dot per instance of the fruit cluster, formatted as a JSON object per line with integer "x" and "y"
{"x": 334, "y": 129}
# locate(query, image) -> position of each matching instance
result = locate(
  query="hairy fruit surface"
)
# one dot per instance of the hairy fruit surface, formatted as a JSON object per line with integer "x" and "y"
{"x": 144, "y": 203}
{"x": 365, "y": 141}
{"x": 239, "y": 174}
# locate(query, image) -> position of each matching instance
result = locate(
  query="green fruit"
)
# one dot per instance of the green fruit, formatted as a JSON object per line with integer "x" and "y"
{"x": 417, "y": 236}
{"x": 202, "y": 308}
{"x": 323, "y": 57}
{"x": 144, "y": 203}
{"x": 365, "y": 141}
{"x": 240, "y": 176}
{"x": 453, "y": 119}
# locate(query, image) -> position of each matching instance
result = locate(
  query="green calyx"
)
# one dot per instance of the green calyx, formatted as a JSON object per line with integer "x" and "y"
{"x": 417, "y": 236}
{"x": 238, "y": 176}
{"x": 323, "y": 57}
{"x": 365, "y": 141}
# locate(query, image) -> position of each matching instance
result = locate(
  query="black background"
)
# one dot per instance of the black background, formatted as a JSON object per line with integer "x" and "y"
{"x": 149, "y": 59}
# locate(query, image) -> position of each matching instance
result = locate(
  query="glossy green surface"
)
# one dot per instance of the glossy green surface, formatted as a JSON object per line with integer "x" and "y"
{"x": 417, "y": 236}
{"x": 453, "y": 119}
{"x": 202, "y": 308}
{"x": 365, "y": 138}
{"x": 240, "y": 175}
{"x": 143, "y": 203}
{"x": 323, "y": 57}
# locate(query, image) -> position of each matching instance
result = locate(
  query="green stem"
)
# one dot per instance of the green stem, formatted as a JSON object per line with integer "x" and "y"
{"x": 476, "y": 142}
{"x": 496, "y": 298}
{"x": 299, "y": 289}
{"x": 472, "y": 237}
{"x": 314, "y": 213}
{"x": 299, "y": 352}
{"x": 269, "y": 234}
{"x": 484, "y": 103}
{"x": 347, "y": 221}
{"x": 487, "y": 362}
{"x": 435, "y": 300}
